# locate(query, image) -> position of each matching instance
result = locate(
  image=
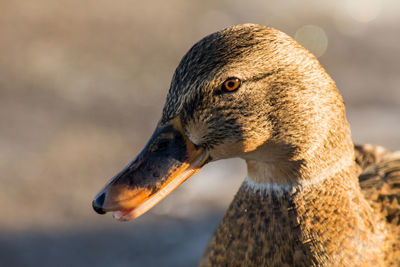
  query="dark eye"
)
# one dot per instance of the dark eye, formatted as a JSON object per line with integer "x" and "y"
{"x": 231, "y": 84}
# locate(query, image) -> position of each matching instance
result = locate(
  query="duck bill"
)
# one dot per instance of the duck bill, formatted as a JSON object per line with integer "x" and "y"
{"x": 167, "y": 160}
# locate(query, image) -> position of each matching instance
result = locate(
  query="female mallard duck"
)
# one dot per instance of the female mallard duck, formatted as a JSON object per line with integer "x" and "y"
{"x": 253, "y": 92}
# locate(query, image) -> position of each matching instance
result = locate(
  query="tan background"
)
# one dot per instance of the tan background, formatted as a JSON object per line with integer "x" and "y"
{"x": 82, "y": 84}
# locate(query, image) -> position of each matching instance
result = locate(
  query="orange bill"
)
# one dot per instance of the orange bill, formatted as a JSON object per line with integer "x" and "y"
{"x": 168, "y": 160}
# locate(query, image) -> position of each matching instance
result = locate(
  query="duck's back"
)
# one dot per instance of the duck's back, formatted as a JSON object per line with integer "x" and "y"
{"x": 380, "y": 183}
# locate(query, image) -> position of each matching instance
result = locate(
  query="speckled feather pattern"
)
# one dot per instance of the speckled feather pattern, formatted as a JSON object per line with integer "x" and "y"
{"x": 380, "y": 183}
{"x": 306, "y": 204}
{"x": 327, "y": 224}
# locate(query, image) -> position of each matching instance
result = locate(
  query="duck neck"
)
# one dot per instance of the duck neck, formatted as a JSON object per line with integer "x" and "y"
{"x": 326, "y": 218}
{"x": 280, "y": 165}
{"x": 323, "y": 223}
{"x": 286, "y": 175}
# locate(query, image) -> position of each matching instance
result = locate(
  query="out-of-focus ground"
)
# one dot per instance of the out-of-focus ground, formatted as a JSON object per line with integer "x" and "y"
{"x": 82, "y": 85}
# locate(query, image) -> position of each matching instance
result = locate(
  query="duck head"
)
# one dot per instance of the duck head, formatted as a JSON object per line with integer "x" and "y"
{"x": 247, "y": 91}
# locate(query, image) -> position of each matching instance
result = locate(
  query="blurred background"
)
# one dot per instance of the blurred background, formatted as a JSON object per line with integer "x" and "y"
{"x": 83, "y": 83}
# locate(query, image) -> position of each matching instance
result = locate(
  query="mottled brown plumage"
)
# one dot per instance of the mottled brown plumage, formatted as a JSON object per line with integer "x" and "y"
{"x": 302, "y": 226}
{"x": 304, "y": 202}
{"x": 380, "y": 184}
{"x": 301, "y": 204}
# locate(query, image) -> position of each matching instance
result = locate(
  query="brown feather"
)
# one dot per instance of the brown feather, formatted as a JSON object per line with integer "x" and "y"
{"x": 303, "y": 203}
{"x": 380, "y": 183}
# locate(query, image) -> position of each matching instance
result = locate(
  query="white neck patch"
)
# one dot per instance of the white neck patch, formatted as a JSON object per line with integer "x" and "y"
{"x": 268, "y": 187}
{"x": 342, "y": 164}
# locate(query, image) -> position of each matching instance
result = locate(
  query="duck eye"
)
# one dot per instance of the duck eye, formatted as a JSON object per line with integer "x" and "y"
{"x": 231, "y": 84}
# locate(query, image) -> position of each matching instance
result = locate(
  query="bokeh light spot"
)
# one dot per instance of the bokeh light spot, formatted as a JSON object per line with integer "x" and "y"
{"x": 313, "y": 38}
{"x": 364, "y": 10}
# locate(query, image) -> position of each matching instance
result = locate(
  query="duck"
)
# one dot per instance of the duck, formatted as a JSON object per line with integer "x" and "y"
{"x": 311, "y": 197}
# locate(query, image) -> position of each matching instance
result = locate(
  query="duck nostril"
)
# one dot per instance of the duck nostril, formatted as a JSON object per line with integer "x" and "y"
{"x": 161, "y": 144}
{"x": 98, "y": 202}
